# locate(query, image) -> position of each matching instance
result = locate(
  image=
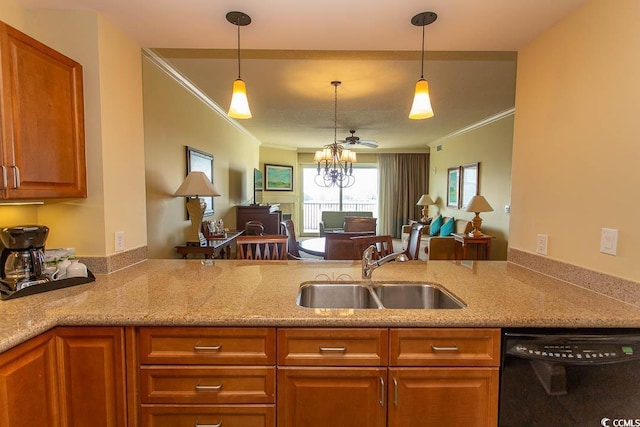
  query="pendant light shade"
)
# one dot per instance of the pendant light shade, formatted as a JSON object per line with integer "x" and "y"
{"x": 421, "y": 107}
{"x": 239, "y": 108}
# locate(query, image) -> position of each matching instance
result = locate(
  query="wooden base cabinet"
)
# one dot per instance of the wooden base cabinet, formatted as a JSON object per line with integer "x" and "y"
{"x": 65, "y": 377}
{"x": 443, "y": 397}
{"x": 337, "y": 397}
{"x": 198, "y": 376}
{"x": 28, "y": 384}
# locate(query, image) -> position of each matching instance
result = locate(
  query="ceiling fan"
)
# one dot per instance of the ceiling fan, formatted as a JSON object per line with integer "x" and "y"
{"x": 353, "y": 140}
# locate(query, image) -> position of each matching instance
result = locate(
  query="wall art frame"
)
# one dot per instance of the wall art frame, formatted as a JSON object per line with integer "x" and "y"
{"x": 278, "y": 177}
{"x": 201, "y": 161}
{"x": 453, "y": 187}
{"x": 469, "y": 183}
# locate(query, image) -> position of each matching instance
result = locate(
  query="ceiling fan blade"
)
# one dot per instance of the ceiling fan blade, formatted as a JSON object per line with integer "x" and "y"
{"x": 366, "y": 143}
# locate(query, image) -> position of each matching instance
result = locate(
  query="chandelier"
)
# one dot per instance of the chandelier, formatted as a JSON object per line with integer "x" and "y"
{"x": 335, "y": 163}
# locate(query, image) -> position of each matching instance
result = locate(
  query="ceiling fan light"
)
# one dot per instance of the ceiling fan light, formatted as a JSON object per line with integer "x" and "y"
{"x": 239, "y": 108}
{"x": 421, "y": 107}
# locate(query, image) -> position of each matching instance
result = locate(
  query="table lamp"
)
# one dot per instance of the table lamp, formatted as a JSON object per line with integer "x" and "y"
{"x": 478, "y": 204}
{"x": 425, "y": 201}
{"x": 196, "y": 184}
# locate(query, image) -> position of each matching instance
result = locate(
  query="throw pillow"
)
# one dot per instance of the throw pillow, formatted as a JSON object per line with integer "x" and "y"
{"x": 447, "y": 227}
{"x": 434, "y": 228}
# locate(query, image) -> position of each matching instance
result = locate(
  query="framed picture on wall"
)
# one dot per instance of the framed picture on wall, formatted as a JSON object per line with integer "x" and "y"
{"x": 469, "y": 183}
{"x": 278, "y": 178}
{"x": 200, "y": 161}
{"x": 453, "y": 187}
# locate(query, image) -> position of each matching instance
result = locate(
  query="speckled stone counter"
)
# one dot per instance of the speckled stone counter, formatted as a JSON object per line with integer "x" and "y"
{"x": 250, "y": 293}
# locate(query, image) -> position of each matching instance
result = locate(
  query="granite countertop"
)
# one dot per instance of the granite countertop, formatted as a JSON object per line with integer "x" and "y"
{"x": 254, "y": 293}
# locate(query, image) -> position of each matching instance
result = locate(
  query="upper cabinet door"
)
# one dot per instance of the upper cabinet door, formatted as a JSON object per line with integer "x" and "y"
{"x": 42, "y": 118}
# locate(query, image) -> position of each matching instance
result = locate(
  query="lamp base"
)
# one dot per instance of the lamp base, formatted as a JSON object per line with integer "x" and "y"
{"x": 476, "y": 222}
{"x": 196, "y": 207}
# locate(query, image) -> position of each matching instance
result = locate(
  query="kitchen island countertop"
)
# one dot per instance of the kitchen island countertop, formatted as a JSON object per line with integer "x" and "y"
{"x": 263, "y": 293}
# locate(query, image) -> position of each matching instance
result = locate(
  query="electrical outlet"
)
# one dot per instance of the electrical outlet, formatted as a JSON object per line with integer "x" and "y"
{"x": 609, "y": 241}
{"x": 119, "y": 242}
{"x": 541, "y": 244}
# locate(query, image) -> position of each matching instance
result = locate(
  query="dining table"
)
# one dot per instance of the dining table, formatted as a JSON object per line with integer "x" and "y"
{"x": 314, "y": 246}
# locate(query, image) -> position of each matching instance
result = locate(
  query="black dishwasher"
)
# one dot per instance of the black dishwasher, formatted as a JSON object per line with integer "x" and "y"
{"x": 570, "y": 377}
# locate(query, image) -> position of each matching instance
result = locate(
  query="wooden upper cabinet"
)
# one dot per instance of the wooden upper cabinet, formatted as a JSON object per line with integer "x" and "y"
{"x": 42, "y": 146}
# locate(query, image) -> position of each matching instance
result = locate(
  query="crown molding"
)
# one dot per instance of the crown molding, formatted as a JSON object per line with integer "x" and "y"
{"x": 477, "y": 125}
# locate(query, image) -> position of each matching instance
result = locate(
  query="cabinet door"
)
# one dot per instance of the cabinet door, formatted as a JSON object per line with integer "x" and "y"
{"x": 42, "y": 120}
{"x": 336, "y": 397}
{"x": 92, "y": 376}
{"x": 423, "y": 397}
{"x": 28, "y": 393}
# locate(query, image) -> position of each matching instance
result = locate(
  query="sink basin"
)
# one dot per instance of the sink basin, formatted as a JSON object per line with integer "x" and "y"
{"x": 415, "y": 295}
{"x": 335, "y": 295}
{"x": 378, "y": 295}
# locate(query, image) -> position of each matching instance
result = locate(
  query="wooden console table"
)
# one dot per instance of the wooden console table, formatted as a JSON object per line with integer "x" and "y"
{"x": 483, "y": 245}
{"x": 221, "y": 245}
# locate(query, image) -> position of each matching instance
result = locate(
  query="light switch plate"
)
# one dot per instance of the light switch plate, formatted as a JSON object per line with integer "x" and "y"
{"x": 609, "y": 241}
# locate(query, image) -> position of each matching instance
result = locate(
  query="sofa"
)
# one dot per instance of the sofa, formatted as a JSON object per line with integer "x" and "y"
{"x": 334, "y": 220}
{"x": 439, "y": 247}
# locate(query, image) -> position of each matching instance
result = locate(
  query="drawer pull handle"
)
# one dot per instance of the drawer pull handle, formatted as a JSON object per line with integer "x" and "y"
{"x": 436, "y": 348}
{"x": 4, "y": 177}
{"x": 197, "y": 424}
{"x": 207, "y": 347}
{"x": 395, "y": 392}
{"x": 381, "y": 392}
{"x": 333, "y": 349}
{"x": 208, "y": 387}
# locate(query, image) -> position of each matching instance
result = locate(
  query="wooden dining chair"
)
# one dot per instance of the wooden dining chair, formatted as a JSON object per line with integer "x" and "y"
{"x": 338, "y": 244}
{"x": 359, "y": 223}
{"x": 413, "y": 244}
{"x": 383, "y": 245}
{"x": 292, "y": 244}
{"x": 271, "y": 247}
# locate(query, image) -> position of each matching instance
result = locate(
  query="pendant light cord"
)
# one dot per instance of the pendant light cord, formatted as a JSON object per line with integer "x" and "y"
{"x": 335, "y": 115}
{"x": 238, "y": 24}
{"x": 422, "y": 71}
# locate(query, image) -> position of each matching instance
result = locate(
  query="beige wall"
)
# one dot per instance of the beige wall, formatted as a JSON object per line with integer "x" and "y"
{"x": 490, "y": 145}
{"x": 575, "y": 156}
{"x": 175, "y": 118}
{"x": 113, "y": 133}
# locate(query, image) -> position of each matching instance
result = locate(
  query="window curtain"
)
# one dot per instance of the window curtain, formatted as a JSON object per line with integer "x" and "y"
{"x": 403, "y": 179}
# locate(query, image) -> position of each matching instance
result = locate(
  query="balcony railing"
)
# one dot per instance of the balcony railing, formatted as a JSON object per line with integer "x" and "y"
{"x": 312, "y": 212}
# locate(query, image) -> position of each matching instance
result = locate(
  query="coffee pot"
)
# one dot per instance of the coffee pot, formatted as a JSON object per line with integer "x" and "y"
{"x": 22, "y": 257}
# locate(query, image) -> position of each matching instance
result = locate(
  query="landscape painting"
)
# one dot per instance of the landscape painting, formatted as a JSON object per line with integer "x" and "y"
{"x": 278, "y": 178}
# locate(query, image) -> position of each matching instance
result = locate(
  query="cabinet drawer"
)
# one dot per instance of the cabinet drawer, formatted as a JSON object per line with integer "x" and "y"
{"x": 444, "y": 347}
{"x": 194, "y": 416}
{"x": 187, "y": 384}
{"x": 199, "y": 346}
{"x": 332, "y": 347}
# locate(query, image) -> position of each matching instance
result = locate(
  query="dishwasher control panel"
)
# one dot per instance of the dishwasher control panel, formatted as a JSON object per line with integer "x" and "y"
{"x": 589, "y": 352}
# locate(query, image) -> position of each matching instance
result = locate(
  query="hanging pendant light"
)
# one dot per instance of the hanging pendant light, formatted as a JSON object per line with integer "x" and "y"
{"x": 335, "y": 163}
{"x": 421, "y": 107}
{"x": 239, "y": 108}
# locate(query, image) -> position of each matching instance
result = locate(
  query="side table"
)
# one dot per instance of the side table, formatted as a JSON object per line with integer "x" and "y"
{"x": 221, "y": 245}
{"x": 483, "y": 245}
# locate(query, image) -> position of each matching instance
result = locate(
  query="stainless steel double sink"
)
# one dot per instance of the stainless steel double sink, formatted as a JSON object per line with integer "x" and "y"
{"x": 376, "y": 295}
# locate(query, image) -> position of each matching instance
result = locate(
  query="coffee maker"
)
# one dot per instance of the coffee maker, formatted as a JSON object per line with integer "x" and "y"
{"x": 22, "y": 257}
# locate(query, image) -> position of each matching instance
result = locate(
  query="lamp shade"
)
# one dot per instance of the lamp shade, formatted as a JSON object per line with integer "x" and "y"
{"x": 425, "y": 200}
{"x": 421, "y": 107}
{"x": 197, "y": 184}
{"x": 239, "y": 108}
{"x": 479, "y": 204}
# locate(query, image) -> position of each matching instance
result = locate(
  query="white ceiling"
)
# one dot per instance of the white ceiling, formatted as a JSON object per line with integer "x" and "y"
{"x": 369, "y": 45}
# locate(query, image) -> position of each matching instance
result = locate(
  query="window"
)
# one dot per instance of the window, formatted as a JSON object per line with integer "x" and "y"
{"x": 361, "y": 196}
